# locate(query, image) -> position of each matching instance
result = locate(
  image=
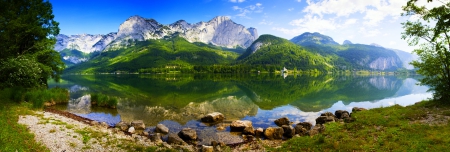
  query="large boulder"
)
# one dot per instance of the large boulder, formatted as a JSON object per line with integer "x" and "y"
{"x": 356, "y": 109}
{"x": 214, "y": 117}
{"x": 341, "y": 114}
{"x": 306, "y": 125}
{"x": 207, "y": 148}
{"x": 274, "y": 133}
{"x": 160, "y": 128}
{"x": 325, "y": 118}
{"x": 282, "y": 121}
{"x": 188, "y": 134}
{"x": 249, "y": 131}
{"x": 259, "y": 132}
{"x": 122, "y": 126}
{"x": 138, "y": 124}
{"x": 289, "y": 131}
{"x": 175, "y": 139}
{"x": 303, "y": 128}
{"x": 240, "y": 125}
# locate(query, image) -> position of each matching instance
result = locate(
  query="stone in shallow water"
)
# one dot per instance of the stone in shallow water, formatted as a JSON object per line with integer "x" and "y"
{"x": 188, "y": 134}
{"x": 175, "y": 139}
{"x": 282, "y": 121}
{"x": 289, "y": 131}
{"x": 138, "y": 124}
{"x": 214, "y": 117}
{"x": 240, "y": 125}
{"x": 160, "y": 128}
{"x": 274, "y": 133}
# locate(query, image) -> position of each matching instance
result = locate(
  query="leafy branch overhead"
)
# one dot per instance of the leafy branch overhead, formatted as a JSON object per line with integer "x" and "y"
{"x": 432, "y": 33}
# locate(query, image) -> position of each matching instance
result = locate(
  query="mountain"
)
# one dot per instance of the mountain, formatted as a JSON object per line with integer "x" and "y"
{"x": 272, "y": 50}
{"x": 220, "y": 31}
{"x": 313, "y": 39}
{"x": 405, "y": 57}
{"x": 359, "y": 56}
{"x": 347, "y": 42}
{"x": 155, "y": 56}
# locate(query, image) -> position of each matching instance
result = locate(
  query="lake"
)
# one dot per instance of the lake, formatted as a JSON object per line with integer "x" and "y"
{"x": 179, "y": 100}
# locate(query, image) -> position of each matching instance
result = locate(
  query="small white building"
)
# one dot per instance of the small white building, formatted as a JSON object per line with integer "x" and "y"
{"x": 284, "y": 70}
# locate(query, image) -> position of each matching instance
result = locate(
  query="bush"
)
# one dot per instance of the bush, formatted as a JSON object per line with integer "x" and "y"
{"x": 52, "y": 96}
{"x": 103, "y": 100}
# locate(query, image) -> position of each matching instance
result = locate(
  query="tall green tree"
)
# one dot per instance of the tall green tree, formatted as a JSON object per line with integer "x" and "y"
{"x": 27, "y": 36}
{"x": 431, "y": 32}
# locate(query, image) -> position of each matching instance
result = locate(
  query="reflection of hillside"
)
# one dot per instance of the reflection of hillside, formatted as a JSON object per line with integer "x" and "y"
{"x": 232, "y": 107}
{"x": 156, "y": 91}
{"x": 317, "y": 93}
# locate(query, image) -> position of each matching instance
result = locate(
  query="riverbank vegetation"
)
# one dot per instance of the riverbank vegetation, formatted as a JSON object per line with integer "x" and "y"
{"x": 103, "y": 100}
{"x": 420, "y": 127}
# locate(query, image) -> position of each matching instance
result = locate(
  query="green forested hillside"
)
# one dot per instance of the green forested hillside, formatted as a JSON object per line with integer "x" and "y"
{"x": 281, "y": 52}
{"x": 155, "y": 56}
{"x": 356, "y": 56}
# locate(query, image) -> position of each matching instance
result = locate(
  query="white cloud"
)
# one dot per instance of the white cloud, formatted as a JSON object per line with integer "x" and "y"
{"x": 264, "y": 22}
{"x": 243, "y": 12}
{"x": 308, "y": 24}
{"x": 299, "y": 0}
{"x": 237, "y": 1}
{"x": 290, "y": 9}
{"x": 369, "y": 32}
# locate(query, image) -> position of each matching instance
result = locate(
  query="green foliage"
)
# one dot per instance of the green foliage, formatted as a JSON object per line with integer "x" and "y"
{"x": 103, "y": 100}
{"x": 279, "y": 52}
{"x": 52, "y": 96}
{"x": 432, "y": 28}
{"x": 13, "y": 136}
{"x": 156, "y": 56}
{"x": 381, "y": 129}
{"x": 27, "y": 33}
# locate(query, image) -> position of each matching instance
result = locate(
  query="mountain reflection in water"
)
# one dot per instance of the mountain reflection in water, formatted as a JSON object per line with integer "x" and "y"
{"x": 184, "y": 99}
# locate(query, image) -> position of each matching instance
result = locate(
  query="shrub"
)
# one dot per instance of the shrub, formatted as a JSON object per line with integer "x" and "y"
{"x": 103, "y": 100}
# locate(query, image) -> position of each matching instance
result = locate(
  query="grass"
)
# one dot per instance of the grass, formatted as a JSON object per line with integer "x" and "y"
{"x": 38, "y": 97}
{"x": 103, "y": 100}
{"x": 393, "y": 128}
{"x": 14, "y": 136}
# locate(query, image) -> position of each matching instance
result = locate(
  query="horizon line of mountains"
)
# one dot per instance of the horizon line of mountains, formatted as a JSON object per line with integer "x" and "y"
{"x": 141, "y": 45}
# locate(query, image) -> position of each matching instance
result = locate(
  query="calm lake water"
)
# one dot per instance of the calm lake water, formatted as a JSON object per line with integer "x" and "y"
{"x": 179, "y": 101}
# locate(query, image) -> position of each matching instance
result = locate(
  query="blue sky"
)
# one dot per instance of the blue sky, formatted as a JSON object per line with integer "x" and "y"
{"x": 360, "y": 21}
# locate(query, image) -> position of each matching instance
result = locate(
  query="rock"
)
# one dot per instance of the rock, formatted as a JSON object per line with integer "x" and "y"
{"x": 131, "y": 130}
{"x": 300, "y": 130}
{"x": 259, "y": 132}
{"x": 282, "y": 121}
{"x": 306, "y": 125}
{"x": 341, "y": 114}
{"x": 356, "y": 109}
{"x": 214, "y": 117}
{"x": 289, "y": 131}
{"x": 318, "y": 128}
{"x": 349, "y": 120}
{"x": 94, "y": 123}
{"x": 249, "y": 131}
{"x": 122, "y": 126}
{"x": 104, "y": 124}
{"x": 274, "y": 133}
{"x": 207, "y": 148}
{"x": 48, "y": 104}
{"x": 160, "y": 128}
{"x": 325, "y": 118}
{"x": 240, "y": 125}
{"x": 156, "y": 138}
{"x": 188, "y": 134}
{"x": 175, "y": 139}
{"x": 138, "y": 124}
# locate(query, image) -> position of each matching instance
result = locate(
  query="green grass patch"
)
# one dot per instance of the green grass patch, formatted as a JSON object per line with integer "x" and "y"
{"x": 14, "y": 136}
{"x": 103, "y": 100}
{"x": 382, "y": 129}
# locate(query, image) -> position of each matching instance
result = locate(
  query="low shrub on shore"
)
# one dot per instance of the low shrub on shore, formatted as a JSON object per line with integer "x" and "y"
{"x": 103, "y": 100}
{"x": 41, "y": 98}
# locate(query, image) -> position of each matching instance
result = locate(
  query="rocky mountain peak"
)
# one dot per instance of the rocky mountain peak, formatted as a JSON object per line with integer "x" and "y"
{"x": 347, "y": 42}
{"x": 220, "y": 19}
